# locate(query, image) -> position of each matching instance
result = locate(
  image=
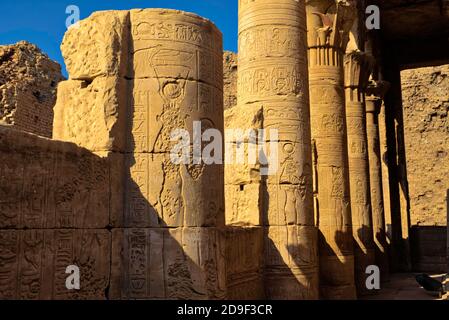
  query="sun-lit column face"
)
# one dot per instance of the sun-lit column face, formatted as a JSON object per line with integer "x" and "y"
{"x": 329, "y": 23}
{"x": 273, "y": 78}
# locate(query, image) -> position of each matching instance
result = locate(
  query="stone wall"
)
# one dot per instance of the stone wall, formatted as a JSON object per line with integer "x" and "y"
{"x": 54, "y": 212}
{"x": 28, "y": 82}
{"x": 426, "y": 106}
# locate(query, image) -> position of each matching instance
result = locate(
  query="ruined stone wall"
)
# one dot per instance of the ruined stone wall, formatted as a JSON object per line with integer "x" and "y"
{"x": 28, "y": 82}
{"x": 426, "y": 123}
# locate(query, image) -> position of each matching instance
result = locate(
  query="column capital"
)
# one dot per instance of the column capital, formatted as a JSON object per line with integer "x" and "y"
{"x": 375, "y": 93}
{"x": 358, "y": 68}
{"x": 329, "y": 22}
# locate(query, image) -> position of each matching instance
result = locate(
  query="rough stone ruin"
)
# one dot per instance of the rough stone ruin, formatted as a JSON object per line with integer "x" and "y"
{"x": 28, "y": 82}
{"x": 104, "y": 194}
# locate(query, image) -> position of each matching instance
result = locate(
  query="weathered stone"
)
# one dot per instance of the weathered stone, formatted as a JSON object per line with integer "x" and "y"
{"x": 157, "y": 109}
{"x": 329, "y": 23}
{"x": 51, "y": 184}
{"x": 230, "y": 66}
{"x": 243, "y": 203}
{"x": 160, "y": 193}
{"x": 180, "y": 263}
{"x": 244, "y": 119}
{"x": 426, "y": 107}
{"x": 244, "y": 255}
{"x": 291, "y": 262}
{"x": 28, "y": 81}
{"x": 90, "y": 50}
{"x": 174, "y": 47}
{"x": 33, "y": 263}
{"x": 92, "y": 114}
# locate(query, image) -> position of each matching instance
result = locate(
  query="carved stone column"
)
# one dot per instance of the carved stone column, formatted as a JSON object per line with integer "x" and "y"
{"x": 273, "y": 75}
{"x": 139, "y": 77}
{"x": 357, "y": 70}
{"x": 374, "y": 96}
{"x": 329, "y": 23}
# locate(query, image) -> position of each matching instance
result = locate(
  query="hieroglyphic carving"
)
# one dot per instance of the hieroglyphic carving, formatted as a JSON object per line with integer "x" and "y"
{"x": 291, "y": 260}
{"x": 273, "y": 74}
{"x": 175, "y": 79}
{"x": 180, "y": 263}
{"x": 328, "y": 25}
{"x": 160, "y": 193}
{"x": 244, "y": 255}
{"x": 47, "y": 184}
{"x": 33, "y": 263}
{"x": 267, "y": 82}
{"x": 358, "y": 67}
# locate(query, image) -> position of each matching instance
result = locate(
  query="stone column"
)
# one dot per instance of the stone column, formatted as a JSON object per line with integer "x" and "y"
{"x": 385, "y": 174}
{"x": 329, "y": 23}
{"x": 357, "y": 70}
{"x": 273, "y": 75}
{"x": 374, "y": 96}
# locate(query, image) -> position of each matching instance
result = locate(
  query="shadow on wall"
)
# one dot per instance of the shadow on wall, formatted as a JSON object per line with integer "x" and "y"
{"x": 290, "y": 251}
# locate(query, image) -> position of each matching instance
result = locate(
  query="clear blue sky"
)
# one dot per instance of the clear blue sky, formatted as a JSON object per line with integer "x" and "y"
{"x": 43, "y": 22}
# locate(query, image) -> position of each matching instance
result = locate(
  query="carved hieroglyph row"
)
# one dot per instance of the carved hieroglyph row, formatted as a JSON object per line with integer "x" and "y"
{"x": 178, "y": 263}
{"x": 33, "y": 263}
{"x": 328, "y": 33}
{"x": 273, "y": 77}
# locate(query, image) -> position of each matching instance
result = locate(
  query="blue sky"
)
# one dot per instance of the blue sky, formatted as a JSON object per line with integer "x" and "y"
{"x": 43, "y": 22}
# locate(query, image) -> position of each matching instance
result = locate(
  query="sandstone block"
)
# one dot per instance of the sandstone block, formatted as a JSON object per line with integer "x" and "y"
{"x": 242, "y": 118}
{"x": 92, "y": 114}
{"x": 181, "y": 263}
{"x": 159, "y": 107}
{"x": 50, "y": 184}
{"x": 33, "y": 263}
{"x": 291, "y": 260}
{"x": 243, "y": 204}
{"x": 242, "y": 165}
{"x": 177, "y": 45}
{"x": 97, "y": 46}
{"x": 230, "y": 65}
{"x": 244, "y": 254}
{"x": 160, "y": 193}
{"x": 28, "y": 81}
